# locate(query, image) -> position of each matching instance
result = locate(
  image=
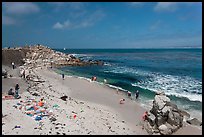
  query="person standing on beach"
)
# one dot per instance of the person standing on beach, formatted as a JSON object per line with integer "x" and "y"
{"x": 137, "y": 94}
{"x": 63, "y": 76}
{"x": 13, "y": 65}
{"x": 24, "y": 73}
{"x": 93, "y": 78}
{"x": 105, "y": 81}
{"x": 16, "y": 91}
{"x": 129, "y": 94}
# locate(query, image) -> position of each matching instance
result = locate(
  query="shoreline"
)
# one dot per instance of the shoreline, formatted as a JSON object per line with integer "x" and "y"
{"x": 144, "y": 104}
{"x": 183, "y": 131}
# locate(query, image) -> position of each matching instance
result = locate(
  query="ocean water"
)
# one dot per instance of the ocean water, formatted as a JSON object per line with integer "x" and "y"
{"x": 177, "y": 72}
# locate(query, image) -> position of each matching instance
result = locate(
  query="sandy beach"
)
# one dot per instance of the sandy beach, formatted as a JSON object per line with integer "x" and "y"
{"x": 102, "y": 113}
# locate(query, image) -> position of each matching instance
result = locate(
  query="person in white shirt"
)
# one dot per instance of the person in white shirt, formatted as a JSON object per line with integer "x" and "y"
{"x": 13, "y": 65}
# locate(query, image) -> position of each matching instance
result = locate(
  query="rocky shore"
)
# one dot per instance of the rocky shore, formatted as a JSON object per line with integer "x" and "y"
{"x": 39, "y": 55}
{"x": 165, "y": 118}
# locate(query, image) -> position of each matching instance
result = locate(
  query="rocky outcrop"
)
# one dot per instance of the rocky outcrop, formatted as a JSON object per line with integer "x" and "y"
{"x": 43, "y": 56}
{"x": 164, "y": 117}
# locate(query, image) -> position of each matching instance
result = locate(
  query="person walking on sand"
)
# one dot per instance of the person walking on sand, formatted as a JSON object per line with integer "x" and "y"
{"x": 129, "y": 94}
{"x": 17, "y": 91}
{"x": 137, "y": 94}
{"x": 13, "y": 65}
{"x": 63, "y": 76}
{"x": 24, "y": 73}
{"x": 105, "y": 81}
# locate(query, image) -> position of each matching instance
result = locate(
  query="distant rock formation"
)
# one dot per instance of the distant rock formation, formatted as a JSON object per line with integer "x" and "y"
{"x": 164, "y": 117}
{"x": 39, "y": 55}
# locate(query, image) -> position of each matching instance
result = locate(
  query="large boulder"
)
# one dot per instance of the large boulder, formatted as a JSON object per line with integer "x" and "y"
{"x": 161, "y": 100}
{"x": 175, "y": 118}
{"x": 151, "y": 119}
{"x": 164, "y": 130}
{"x": 164, "y": 115}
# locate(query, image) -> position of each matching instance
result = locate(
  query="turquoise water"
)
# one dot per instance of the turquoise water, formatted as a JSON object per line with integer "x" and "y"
{"x": 177, "y": 72}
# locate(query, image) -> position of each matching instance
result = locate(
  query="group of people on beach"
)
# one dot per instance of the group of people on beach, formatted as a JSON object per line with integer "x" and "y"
{"x": 136, "y": 94}
{"x": 17, "y": 87}
{"x": 94, "y": 78}
{"x": 129, "y": 95}
{"x": 16, "y": 92}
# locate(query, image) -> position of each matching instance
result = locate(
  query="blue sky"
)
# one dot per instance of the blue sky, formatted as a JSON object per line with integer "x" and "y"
{"x": 102, "y": 24}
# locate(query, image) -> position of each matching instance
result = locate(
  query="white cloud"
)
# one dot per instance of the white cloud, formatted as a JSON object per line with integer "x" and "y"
{"x": 166, "y": 6}
{"x": 20, "y": 7}
{"x": 66, "y": 24}
{"x": 7, "y": 20}
{"x": 172, "y": 6}
{"x": 80, "y": 23}
{"x": 58, "y": 26}
{"x": 70, "y": 5}
{"x": 136, "y": 4}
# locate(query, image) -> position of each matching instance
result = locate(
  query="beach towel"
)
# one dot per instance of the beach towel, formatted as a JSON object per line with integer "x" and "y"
{"x": 8, "y": 97}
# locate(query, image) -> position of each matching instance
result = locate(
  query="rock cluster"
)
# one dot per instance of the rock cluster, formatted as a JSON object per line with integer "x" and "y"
{"x": 39, "y": 55}
{"x": 164, "y": 117}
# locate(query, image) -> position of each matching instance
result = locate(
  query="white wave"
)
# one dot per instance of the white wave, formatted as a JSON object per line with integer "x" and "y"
{"x": 107, "y": 64}
{"x": 79, "y": 55}
{"x": 88, "y": 79}
{"x": 125, "y": 70}
{"x": 75, "y": 55}
{"x": 180, "y": 86}
{"x": 115, "y": 87}
{"x": 173, "y": 85}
